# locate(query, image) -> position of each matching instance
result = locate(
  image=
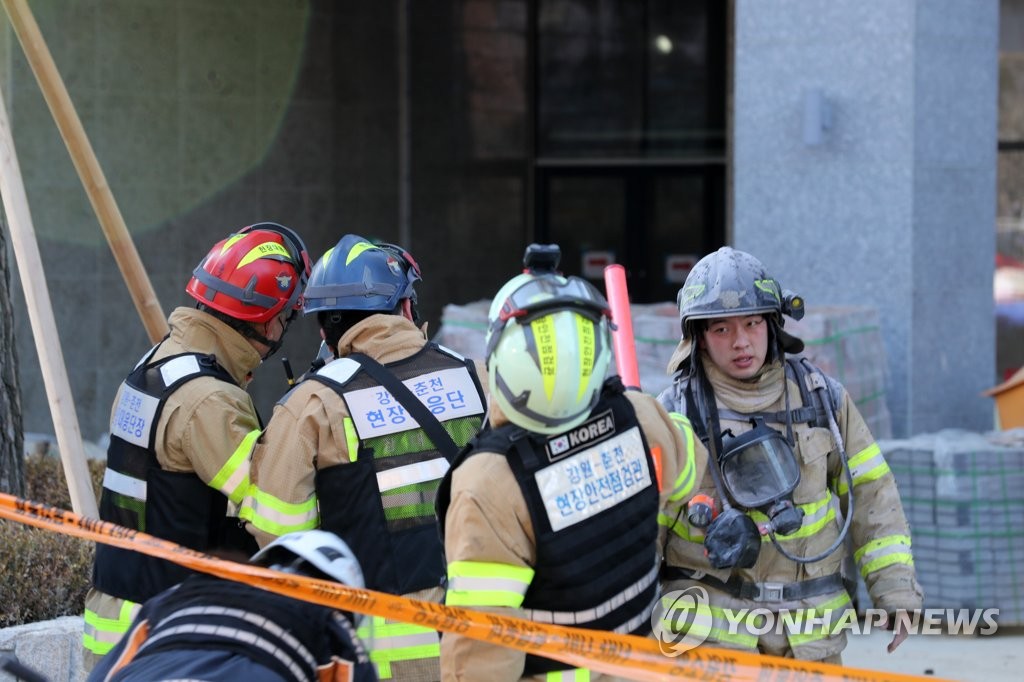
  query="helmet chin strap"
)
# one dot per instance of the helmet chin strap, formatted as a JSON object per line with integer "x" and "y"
{"x": 272, "y": 346}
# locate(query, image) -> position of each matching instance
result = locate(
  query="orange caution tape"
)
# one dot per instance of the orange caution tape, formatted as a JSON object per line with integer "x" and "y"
{"x": 627, "y": 656}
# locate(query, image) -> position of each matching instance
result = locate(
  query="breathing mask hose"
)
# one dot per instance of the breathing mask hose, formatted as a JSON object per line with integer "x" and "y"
{"x": 711, "y": 436}
{"x": 822, "y": 386}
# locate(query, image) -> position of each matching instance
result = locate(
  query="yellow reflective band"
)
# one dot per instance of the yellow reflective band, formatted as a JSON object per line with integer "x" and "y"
{"x": 351, "y": 439}
{"x": 881, "y": 562}
{"x": 688, "y": 476}
{"x": 857, "y": 465}
{"x": 357, "y": 249}
{"x": 326, "y": 258}
{"x": 233, "y": 477}
{"x": 881, "y": 543}
{"x": 97, "y": 647}
{"x": 394, "y": 641}
{"x": 868, "y": 476}
{"x": 277, "y": 517}
{"x": 835, "y": 605}
{"x": 100, "y": 634}
{"x": 379, "y": 628}
{"x": 229, "y": 242}
{"x": 769, "y": 286}
{"x": 883, "y": 552}
{"x": 864, "y": 455}
{"x": 547, "y": 347}
{"x": 698, "y": 626}
{"x": 574, "y": 675}
{"x": 482, "y": 583}
{"x": 811, "y": 525}
{"x": 408, "y": 653}
{"x": 585, "y": 334}
{"x": 693, "y": 291}
{"x": 265, "y": 250}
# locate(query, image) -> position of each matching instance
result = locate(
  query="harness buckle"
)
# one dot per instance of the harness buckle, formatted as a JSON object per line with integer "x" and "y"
{"x": 769, "y": 592}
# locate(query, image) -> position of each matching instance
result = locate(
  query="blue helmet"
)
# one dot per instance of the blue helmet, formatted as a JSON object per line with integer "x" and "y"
{"x": 357, "y": 274}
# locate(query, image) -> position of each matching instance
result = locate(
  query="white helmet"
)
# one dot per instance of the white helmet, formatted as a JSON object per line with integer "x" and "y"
{"x": 548, "y": 350}
{"x": 313, "y": 553}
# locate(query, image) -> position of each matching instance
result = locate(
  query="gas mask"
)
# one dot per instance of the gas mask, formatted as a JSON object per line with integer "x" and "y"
{"x": 760, "y": 471}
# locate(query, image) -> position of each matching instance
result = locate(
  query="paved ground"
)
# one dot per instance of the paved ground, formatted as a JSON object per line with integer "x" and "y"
{"x": 965, "y": 658}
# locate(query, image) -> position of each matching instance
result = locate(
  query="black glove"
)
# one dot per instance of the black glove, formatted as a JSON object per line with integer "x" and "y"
{"x": 732, "y": 540}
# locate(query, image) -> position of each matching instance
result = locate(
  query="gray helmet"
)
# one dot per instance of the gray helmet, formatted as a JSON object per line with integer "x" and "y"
{"x": 729, "y": 283}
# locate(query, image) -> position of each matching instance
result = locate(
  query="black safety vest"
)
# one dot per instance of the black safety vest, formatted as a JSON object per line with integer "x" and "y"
{"x": 596, "y": 528}
{"x": 289, "y": 636}
{"x": 176, "y": 506}
{"x": 399, "y": 551}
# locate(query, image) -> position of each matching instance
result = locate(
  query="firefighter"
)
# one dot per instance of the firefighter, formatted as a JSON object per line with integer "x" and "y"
{"x": 182, "y": 426}
{"x": 208, "y": 628}
{"x": 552, "y": 513}
{"x": 794, "y": 474}
{"x": 360, "y": 446}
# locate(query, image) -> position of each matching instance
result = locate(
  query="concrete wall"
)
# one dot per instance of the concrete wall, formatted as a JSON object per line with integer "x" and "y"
{"x": 207, "y": 116}
{"x": 895, "y": 207}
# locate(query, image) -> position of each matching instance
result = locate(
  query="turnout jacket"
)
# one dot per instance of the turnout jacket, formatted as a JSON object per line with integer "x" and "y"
{"x": 491, "y": 534}
{"x": 320, "y": 465}
{"x": 879, "y": 537}
{"x": 202, "y": 442}
{"x": 212, "y": 629}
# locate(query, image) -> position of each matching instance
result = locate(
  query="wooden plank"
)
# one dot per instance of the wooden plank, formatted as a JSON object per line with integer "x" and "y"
{"x": 88, "y": 167}
{"x": 44, "y": 327}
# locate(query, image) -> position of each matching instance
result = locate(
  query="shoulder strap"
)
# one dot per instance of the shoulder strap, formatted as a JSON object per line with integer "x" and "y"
{"x": 430, "y": 424}
{"x": 826, "y": 403}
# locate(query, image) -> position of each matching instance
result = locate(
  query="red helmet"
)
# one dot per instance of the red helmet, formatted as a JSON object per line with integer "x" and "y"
{"x": 254, "y": 274}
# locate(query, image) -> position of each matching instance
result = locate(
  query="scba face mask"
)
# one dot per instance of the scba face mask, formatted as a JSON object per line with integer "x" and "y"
{"x": 760, "y": 472}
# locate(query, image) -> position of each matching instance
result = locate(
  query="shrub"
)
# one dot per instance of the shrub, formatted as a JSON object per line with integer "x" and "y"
{"x": 45, "y": 574}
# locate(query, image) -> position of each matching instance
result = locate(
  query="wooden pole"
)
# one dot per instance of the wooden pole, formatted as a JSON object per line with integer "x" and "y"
{"x": 44, "y": 328}
{"x": 88, "y": 168}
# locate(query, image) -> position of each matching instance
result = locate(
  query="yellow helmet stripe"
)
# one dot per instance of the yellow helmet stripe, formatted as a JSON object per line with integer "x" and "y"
{"x": 229, "y": 242}
{"x": 264, "y": 250}
{"x": 358, "y": 249}
{"x": 327, "y": 256}
{"x": 547, "y": 351}
{"x": 585, "y": 334}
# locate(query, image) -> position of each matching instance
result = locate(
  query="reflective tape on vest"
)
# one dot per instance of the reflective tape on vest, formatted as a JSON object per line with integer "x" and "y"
{"x": 245, "y": 636}
{"x": 589, "y": 615}
{"x": 410, "y": 474}
{"x": 124, "y": 484}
